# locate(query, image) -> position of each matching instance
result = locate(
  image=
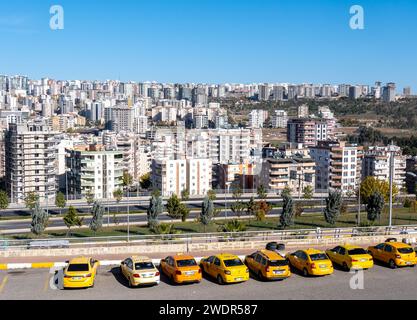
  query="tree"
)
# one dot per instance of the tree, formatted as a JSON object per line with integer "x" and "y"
{"x": 374, "y": 206}
{"x": 308, "y": 192}
{"x": 4, "y": 200}
{"x": 233, "y": 226}
{"x": 286, "y": 192}
{"x": 71, "y": 219}
{"x": 118, "y": 195}
{"x": 263, "y": 209}
{"x": 370, "y": 185}
{"x": 207, "y": 212}
{"x": 176, "y": 209}
{"x": 97, "y": 220}
{"x": 251, "y": 207}
{"x": 127, "y": 179}
{"x": 89, "y": 197}
{"x": 154, "y": 210}
{"x": 287, "y": 215}
{"x": 31, "y": 200}
{"x": 212, "y": 195}
{"x": 60, "y": 201}
{"x": 164, "y": 228}
{"x": 262, "y": 193}
{"x": 238, "y": 206}
{"x": 40, "y": 219}
{"x": 145, "y": 181}
{"x": 333, "y": 206}
{"x": 185, "y": 195}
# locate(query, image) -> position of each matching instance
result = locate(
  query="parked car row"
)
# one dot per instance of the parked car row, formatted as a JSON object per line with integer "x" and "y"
{"x": 268, "y": 264}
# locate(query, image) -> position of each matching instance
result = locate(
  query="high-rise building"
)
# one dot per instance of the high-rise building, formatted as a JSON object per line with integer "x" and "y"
{"x": 303, "y": 111}
{"x": 278, "y": 93}
{"x": 257, "y": 118}
{"x": 338, "y": 166}
{"x": 264, "y": 92}
{"x": 175, "y": 176}
{"x": 407, "y": 91}
{"x": 376, "y": 163}
{"x": 388, "y": 92}
{"x": 30, "y": 156}
{"x": 119, "y": 118}
{"x": 306, "y": 131}
{"x": 91, "y": 169}
{"x": 280, "y": 119}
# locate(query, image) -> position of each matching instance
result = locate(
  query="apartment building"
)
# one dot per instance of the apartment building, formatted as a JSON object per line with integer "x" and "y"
{"x": 280, "y": 119}
{"x": 377, "y": 164}
{"x": 241, "y": 174}
{"x": 257, "y": 118}
{"x": 119, "y": 118}
{"x": 294, "y": 172}
{"x": 29, "y": 161}
{"x": 306, "y": 131}
{"x": 174, "y": 176}
{"x": 93, "y": 169}
{"x": 338, "y": 165}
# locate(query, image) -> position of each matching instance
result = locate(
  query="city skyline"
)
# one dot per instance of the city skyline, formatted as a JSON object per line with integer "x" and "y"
{"x": 177, "y": 42}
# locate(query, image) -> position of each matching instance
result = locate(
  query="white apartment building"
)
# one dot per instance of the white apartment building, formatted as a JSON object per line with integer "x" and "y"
{"x": 280, "y": 119}
{"x": 377, "y": 164}
{"x": 174, "y": 176}
{"x": 93, "y": 169}
{"x": 338, "y": 165}
{"x": 30, "y": 161}
{"x": 257, "y": 118}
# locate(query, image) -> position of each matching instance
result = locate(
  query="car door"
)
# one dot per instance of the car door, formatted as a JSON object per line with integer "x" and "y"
{"x": 257, "y": 263}
{"x": 341, "y": 256}
{"x": 303, "y": 259}
{"x": 208, "y": 265}
{"x": 129, "y": 268}
{"x": 216, "y": 267}
{"x": 297, "y": 260}
{"x": 388, "y": 253}
{"x": 250, "y": 260}
{"x": 166, "y": 267}
{"x": 334, "y": 254}
{"x": 123, "y": 267}
{"x": 377, "y": 252}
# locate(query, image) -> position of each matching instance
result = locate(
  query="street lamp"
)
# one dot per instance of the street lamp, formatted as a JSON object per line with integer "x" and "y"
{"x": 391, "y": 150}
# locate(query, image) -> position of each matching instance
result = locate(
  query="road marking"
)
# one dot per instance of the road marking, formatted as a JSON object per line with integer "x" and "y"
{"x": 3, "y": 283}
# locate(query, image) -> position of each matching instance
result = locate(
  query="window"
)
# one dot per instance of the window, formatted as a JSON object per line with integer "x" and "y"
{"x": 217, "y": 262}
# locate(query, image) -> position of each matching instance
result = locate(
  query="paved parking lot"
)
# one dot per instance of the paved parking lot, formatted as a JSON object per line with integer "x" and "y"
{"x": 379, "y": 283}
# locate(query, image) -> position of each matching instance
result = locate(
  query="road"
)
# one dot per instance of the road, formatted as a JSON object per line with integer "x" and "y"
{"x": 380, "y": 283}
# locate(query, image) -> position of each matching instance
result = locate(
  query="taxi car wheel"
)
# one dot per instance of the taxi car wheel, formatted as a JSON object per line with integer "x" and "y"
{"x": 345, "y": 266}
{"x": 305, "y": 272}
{"x": 260, "y": 276}
{"x": 392, "y": 264}
{"x": 220, "y": 279}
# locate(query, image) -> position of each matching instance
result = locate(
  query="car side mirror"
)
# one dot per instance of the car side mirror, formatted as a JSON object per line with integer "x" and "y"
{"x": 122, "y": 263}
{"x": 67, "y": 261}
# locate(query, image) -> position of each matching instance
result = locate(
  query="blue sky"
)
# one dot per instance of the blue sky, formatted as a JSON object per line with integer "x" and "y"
{"x": 212, "y": 41}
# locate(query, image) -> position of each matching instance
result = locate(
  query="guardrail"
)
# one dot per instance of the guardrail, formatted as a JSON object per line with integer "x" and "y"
{"x": 284, "y": 236}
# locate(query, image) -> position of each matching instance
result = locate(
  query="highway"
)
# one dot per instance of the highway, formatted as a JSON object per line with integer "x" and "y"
{"x": 380, "y": 283}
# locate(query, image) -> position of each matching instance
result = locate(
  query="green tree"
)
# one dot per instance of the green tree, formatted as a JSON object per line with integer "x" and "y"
{"x": 31, "y": 200}
{"x": 286, "y": 192}
{"x": 145, "y": 181}
{"x": 185, "y": 195}
{"x": 40, "y": 219}
{"x": 233, "y": 226}
{"x": 89, "y": 197}
{"x": 60, "y": 201}
{"x": 176, "y": 209}
{"x": 263, "y": 209}
{"x": 207, "y": 212}
{"x": 212, "y": 195}
{"x": 127, "y": 179}
{"x": 238, "y": 206}
{"x": 262, "y": 193}
{"x": 97, "y": 220}
{"x": 287, "y": 214}
{"x": 164, "y": 228}
{"x": 118, "y": 195}
{"x": 251, "y": 207}
{"x": 375, "y": 206}
{"x": 308, "y": 193}
{"x": 4, "y": 200}
{"x": 333, "y": 207}
{"x": 154, "y": 210}
{"x": 72, "y": 219}
{"x": 370, "y": 185}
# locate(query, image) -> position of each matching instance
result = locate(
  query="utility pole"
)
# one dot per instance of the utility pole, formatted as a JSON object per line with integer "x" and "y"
{"x": 391, "y": 178}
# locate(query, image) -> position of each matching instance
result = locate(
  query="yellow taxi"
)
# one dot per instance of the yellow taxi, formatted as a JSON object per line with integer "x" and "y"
{"x": 140, "y": 271}
{"x": 268, "y": 265}
{"x": 80, "y": 273}
{"x": 311, "y": 262}
{"x": 225, "y": 268}
{"x": 351, "y": 257}
{"x": 396, "y": 254}
{"x": 181, "y": 269}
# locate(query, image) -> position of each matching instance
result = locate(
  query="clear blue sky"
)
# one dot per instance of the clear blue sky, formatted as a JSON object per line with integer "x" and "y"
{"x": 212, "y": 41}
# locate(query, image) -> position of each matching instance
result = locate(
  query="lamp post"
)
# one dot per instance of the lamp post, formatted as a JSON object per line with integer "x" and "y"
{"x": 391, "y": 178}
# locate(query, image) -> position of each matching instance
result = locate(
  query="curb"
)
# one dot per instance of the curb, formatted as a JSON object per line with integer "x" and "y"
{"x": 49, "y": 265}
